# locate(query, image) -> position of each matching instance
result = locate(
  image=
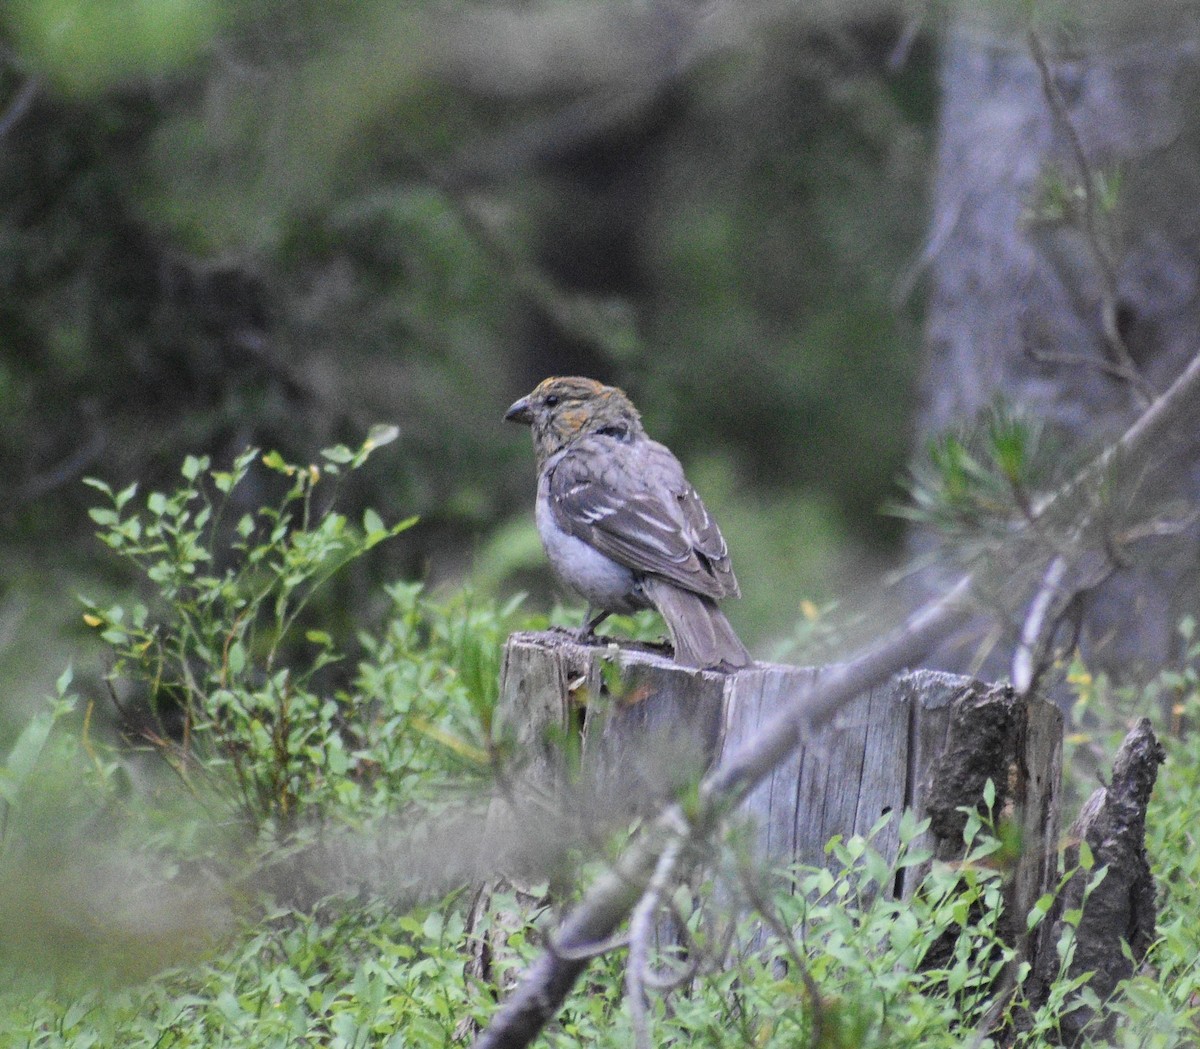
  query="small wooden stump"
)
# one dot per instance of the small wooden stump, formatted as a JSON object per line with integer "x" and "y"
{"x": 645, "y": 727}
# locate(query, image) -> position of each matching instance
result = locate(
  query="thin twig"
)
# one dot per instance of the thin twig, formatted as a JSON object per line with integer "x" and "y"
{"x": 663, "y": 980}
{"x": 1029, "y": 657}
{"x": 588, "y": 951}
{"x": 65, "y": 472}
{"x": 1157, "y": 528}
{"x": 641, "y": 930}
{"x": 1113, "y": 340}
{"x": 1112, "y": 369}
{"x": 761, "y": 904}
{"x": 945, "y": 221}
{"x": 991, "y": 1018}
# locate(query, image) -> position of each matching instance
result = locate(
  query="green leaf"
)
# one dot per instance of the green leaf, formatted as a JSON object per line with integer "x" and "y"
{"x": 1039, "y": 910}
{"x": 372, "y": 522}
{"x": 160, "y": 572}
{"x": 274, "y": 461}
{"x": 192, "y": 466}
{"x": 123, "y": 496}
{"x": 242, "y": 463}
{"x": 381, "y": 434}
{"x": 23, "y": 757}
{"x": 103, "y": 516}
{"x": 237, "y": 658}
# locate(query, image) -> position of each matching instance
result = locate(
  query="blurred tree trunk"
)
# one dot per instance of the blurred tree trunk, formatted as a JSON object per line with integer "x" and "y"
{"x": 1064, "y": 252}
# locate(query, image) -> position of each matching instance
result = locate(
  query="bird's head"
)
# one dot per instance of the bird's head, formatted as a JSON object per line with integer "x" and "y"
{"x": 563, "y": 409}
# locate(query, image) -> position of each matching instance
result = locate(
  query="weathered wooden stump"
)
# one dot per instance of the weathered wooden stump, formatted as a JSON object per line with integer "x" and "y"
{"x": 643, "y": 727}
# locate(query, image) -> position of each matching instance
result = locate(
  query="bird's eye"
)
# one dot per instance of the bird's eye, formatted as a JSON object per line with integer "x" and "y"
{"x": 551, "y": 401}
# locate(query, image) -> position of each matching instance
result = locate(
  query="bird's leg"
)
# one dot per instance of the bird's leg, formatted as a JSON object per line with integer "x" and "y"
{"x": 590, "y": 622}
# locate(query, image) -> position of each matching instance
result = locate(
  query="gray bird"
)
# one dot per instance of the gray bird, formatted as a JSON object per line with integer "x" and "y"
{"x": 620, "y": 523}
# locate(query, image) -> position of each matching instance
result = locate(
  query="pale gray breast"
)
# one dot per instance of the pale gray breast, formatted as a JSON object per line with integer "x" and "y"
{"x": 599, "y": 579}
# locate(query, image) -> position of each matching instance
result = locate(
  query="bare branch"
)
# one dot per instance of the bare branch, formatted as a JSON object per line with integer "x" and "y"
{"x": 613, "y": 897}
{"x": 19, "y": 106}
{"x": 1157, "y": 528}
{"x": 1136, "y": 444}
{"x": 67, "y": 471}
{"x": 590, "y": 950}
{"x": 1110, "y": 368}
{"x": 1029, "y": 657}
{"x": 641, "y": 931}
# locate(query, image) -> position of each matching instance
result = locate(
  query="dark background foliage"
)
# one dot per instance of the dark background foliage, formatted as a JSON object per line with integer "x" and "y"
{"x": 277, "y": 223}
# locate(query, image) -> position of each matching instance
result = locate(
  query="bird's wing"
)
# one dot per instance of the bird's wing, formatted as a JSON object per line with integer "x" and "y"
{"x": 632, "y": 502}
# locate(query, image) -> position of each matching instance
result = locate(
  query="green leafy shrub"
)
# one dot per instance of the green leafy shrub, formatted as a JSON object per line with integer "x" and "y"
{"x": 229, "y": 676}
{"x": 253, "y": 746}
{"x": 370, "y": 975}
{"x": 259, "y": 720}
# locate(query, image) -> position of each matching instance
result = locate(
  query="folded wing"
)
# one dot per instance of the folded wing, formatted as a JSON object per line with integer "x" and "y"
{"x": 633, "y": 504}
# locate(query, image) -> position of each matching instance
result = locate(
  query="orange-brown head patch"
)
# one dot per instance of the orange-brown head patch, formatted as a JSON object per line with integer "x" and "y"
{"x": 563, "y": 409}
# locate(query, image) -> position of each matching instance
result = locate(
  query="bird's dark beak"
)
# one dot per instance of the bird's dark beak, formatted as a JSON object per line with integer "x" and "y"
{"x": 520, "y": 412}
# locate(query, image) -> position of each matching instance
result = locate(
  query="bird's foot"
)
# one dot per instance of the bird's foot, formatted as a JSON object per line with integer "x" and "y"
{"x": 587, "y": 632}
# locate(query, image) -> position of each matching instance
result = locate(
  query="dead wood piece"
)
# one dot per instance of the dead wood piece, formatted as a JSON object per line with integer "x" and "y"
{"x": 1120, "y": 909}
{"x": 644, "y": 727}
{"x": 619, "y": 728}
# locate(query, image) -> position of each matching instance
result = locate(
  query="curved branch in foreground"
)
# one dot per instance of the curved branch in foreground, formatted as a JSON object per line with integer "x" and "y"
{"x": 613, "y": 896}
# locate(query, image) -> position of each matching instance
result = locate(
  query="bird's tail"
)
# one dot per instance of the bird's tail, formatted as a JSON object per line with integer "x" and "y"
{"x": 701, "y": 634}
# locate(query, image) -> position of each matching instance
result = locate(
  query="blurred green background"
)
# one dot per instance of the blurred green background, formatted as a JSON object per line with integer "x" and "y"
{"x": 254, "y": 222}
